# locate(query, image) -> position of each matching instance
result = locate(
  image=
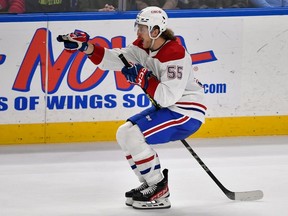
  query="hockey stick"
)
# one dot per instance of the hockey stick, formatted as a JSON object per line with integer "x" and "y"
{"x": 241, "y": 196}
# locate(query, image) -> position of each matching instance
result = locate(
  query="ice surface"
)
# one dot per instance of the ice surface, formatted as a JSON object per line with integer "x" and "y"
{"x": 90, "y": 179}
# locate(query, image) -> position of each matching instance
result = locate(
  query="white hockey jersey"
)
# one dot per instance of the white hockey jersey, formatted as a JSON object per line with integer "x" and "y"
{"x": 178, "y": 89}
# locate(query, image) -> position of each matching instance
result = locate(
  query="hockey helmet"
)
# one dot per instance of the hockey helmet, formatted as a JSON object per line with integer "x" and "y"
{"x": 152, "y": 16}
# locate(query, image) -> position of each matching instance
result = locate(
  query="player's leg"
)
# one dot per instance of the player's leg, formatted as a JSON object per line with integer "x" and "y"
{"x": 160, "y": 126}
{"x": 121, "y": 139}
{"x": 142, "y": 158}
{"x": 148, "y": 164}
{"x": 154, "y": 127}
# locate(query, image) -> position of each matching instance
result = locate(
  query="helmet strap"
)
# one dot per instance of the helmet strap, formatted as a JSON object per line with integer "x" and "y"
{"x": 156, "y": 36}
{"x": 152, "y": 43}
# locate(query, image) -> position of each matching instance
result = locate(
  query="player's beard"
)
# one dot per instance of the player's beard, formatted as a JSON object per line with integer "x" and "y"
{"x": 147, "y": 44}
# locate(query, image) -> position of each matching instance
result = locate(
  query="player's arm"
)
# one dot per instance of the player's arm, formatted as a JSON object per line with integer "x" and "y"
{"x": 106, "y": 59}
{"x": 79, "y": 40}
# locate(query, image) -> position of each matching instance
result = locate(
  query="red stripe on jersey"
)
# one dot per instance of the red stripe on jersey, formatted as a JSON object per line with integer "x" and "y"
{"x": 153, "y": 82}
{"x": 193, "y": 104}
{"x": 165, "y": 125}
{"x": 97, "y": 55}
{"x": 144, "y": 160}
{"x": 170, "y": 51}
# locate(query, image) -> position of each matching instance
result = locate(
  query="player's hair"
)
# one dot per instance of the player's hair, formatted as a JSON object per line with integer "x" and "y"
{"x": 168, "y": 34}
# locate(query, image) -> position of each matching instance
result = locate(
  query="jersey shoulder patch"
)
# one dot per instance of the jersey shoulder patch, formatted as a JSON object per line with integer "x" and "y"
{"x": 170, "y": 51}
{"x": 138, "y": 43}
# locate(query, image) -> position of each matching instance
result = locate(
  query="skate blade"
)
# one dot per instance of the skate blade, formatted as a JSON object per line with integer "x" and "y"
{"x": 129, "y": 201}
{"x": 155, "y": 204}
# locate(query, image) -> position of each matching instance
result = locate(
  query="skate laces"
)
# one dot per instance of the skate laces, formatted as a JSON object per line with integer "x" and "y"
{"x": 149, "y": 190}
{"x": 141, "y": 187}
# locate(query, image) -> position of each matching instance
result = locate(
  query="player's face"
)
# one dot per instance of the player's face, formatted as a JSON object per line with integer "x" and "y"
{"x": 143, "y": 34}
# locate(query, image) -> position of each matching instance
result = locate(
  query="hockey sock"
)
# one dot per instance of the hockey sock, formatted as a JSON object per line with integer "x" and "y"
{"x": 134, "y": 168}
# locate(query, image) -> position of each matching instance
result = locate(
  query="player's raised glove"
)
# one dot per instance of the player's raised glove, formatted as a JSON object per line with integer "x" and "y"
{"x": 137, "y": 74}
{"x": 75, "y": 41}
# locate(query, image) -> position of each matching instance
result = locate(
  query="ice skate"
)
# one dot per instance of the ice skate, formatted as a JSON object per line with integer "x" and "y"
{"x": 129, "y": 194}
{"x": 154, "y": 196}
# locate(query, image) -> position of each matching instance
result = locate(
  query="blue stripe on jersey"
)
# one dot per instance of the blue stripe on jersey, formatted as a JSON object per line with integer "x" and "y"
{"x": 195, "y": 109}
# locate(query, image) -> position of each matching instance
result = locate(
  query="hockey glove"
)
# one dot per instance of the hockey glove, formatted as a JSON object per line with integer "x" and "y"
{"x": 137, "y": 74}
{"x": 75, "y": 41}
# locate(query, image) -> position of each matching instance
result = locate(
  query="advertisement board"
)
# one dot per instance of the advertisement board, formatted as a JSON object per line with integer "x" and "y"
{"x": 241, "y": 62}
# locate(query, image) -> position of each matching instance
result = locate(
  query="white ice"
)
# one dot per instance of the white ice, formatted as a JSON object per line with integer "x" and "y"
{"x": 90, "y": 179}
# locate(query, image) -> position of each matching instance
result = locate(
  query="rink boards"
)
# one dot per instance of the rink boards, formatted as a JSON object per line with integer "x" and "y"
{"x": 50, "y": 96}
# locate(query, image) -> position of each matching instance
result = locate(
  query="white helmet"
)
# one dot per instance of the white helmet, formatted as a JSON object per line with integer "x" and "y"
{"x": 152, "y": 16}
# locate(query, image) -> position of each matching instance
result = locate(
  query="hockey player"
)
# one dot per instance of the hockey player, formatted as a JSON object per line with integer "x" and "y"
{"x": 163, "y": 69}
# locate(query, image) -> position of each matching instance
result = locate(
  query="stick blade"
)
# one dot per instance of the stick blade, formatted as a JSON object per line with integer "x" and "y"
{"x": 249, "y": 195}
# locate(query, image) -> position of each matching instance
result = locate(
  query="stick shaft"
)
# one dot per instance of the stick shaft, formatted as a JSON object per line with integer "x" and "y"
{"x": 124, "y": 60}
{"x": 228, "y": 193}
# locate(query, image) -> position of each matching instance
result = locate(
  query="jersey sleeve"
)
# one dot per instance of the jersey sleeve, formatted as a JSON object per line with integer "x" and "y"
{"x": 107, "y": 59}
